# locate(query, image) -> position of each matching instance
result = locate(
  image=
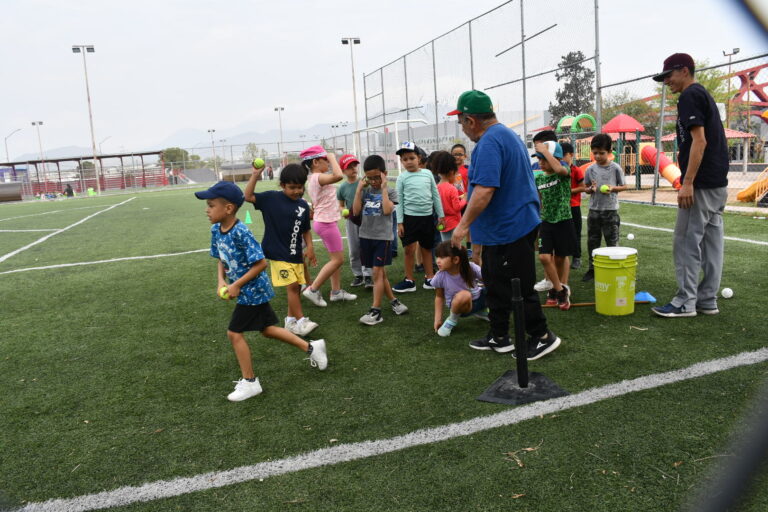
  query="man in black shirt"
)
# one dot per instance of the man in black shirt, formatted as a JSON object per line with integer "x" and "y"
{"x": 703, "y": 161}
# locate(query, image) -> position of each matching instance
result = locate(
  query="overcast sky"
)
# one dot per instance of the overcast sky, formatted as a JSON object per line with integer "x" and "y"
{"x": 162, "y": 66}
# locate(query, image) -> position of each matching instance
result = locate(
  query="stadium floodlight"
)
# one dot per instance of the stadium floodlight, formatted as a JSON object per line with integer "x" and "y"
{"x": 728, "y": 100}
{"x": 279, "y": 111}
{"x": 7, "y": 156}
{"x": 87, "y": 48}
{"x": 352, "y": 41}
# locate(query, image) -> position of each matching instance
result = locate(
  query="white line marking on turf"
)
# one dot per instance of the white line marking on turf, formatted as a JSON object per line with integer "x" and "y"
{"x": 46, "y": 237}
{"x": 354, "y": 451}
{"x": 669, "y": 230}
{"x": 127, "y": 258}
{"x": 25, "y": 230}
{"x": 50, "y": 212}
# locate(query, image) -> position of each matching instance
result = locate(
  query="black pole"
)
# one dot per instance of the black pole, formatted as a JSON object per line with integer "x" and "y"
{"x": 521, "y": 347}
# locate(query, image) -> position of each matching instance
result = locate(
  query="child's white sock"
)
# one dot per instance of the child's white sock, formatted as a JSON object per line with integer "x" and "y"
{"x": 289, "y": 319}
{"x": 453, "y": 317}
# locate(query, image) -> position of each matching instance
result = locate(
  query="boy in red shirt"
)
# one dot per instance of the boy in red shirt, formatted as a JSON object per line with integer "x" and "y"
{"x": 453, "y": 201}
{"x": 577, "y": 187}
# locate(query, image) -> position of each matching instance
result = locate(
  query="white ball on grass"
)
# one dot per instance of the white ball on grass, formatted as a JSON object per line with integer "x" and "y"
{"x": 727, "y": 293}
{"x": 630, "y": 236}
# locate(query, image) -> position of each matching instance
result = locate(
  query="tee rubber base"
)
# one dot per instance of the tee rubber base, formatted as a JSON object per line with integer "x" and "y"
{"x": 506, "y": 390}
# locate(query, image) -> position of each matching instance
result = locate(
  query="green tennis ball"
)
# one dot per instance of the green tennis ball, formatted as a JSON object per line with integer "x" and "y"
{"x": 345, "y": 212}
{"x": 604, "y": 189}
{"x": 223, "y": 293}
{"x": 440, "y": 227}
{"x": 258, "y": 163}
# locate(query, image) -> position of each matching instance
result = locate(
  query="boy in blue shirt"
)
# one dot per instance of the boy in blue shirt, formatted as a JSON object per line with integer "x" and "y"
{"x": 417, "y": 192}
{"x": 242, "y": 263}
{"x": 286, "y": 223}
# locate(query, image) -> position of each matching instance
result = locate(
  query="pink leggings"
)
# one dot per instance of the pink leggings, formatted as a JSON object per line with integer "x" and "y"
{"x": 329, "y": 234}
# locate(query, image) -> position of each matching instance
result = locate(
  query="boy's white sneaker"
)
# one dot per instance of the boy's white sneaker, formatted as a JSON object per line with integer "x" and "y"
{"x": 318, "y": 358}
{"x": 304, "y": 326}
{"x": 398, "y": 307}
{"x": 290, "y": 325}
{"x": 543, "y": 286}
{"x": 315, "y": 297}
{"x": 342, "y": 295}
{"x": 244, "y": 390}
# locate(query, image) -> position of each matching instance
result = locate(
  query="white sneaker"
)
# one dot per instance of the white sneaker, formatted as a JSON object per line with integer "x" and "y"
{"x": 244, "y": 390}
{"x": 446, "y": 328}
{"x": 342, "y": 296}
{"x": 372, "y": 317}
{"x": 543, "y": 286}
{"x": 315, "y": 298}
{"x": 399, "y": 308}
{"x": 318, "y": 358}
{"x": 304, "y": 326}
{"x": 290, "y": 325}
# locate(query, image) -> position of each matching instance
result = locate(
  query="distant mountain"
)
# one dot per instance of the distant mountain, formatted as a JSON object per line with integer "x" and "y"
{"x": 65, "y": 152}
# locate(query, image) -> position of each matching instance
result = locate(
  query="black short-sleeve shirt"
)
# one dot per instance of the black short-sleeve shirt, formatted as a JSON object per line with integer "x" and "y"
{"x": 285, "y": 220}
{"x": 696, "y": 107}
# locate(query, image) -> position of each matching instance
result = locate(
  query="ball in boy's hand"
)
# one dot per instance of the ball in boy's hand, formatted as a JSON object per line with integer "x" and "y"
{"x": 440, "y": 227}
{"x": 345, "y": 212}
{"x": 604, "y": 189}
{"x": 258, "y": 163}
{"x": 223, "y": 294}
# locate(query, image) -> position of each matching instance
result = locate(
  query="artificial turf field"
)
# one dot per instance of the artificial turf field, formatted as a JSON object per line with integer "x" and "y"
{"x": 115, "y": 374}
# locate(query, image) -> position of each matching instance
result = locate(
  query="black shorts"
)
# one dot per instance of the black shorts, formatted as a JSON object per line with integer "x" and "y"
{"x": 375, "y": 253}
{"x": 252, "y": 318}
{"x": 419, "y": 229}
{"x": 558, "y": 239}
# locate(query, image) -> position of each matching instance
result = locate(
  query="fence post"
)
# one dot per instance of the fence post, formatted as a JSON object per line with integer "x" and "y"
{"x": 522, "y": 52}
{"x": 659, "y": 147}
{"x": 434, "y": 83}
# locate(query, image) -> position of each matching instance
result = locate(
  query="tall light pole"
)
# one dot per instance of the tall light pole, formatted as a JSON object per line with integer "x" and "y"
{"x": 83, "y": 48}
{"x": 352, "y": 41}
{"x": 7, "y": 156}
{"x": 38, "y": 124}
{"x": 213, "y": 149}
{"x": 280, "y": 144}
{"x": 728, "y": 103}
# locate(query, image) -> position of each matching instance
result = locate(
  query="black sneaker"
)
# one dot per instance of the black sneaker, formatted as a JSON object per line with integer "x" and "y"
{"x": 539, "y": 347}
{"x": 419, "y": 268}
{"x": 500, "y": 345}
{"x": 564, "y": 298}
{"x": 368, "y": 282}
{"x": 576, "y": 263}
{"x": 357, "y": 281}
{"x": 589, "y": 275}
{"x": 406, "y": 285}
{"x": 482, "y": 343}
{"x": 428, "y": 284}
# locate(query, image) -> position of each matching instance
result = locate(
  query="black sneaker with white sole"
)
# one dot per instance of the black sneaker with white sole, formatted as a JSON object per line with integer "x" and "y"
{"x": 501, "y": 345}
{"x": 539, "y": 347}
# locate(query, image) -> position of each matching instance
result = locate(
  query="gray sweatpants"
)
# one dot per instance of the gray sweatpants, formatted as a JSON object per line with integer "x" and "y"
{"x": 353, "y": 242}
{"x": 698, "y": 248}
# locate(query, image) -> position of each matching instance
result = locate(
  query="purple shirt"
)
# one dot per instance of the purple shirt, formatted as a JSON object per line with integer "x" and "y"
{"x": 452, "y": 285}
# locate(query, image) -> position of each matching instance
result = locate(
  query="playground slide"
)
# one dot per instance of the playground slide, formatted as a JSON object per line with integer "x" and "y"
{"x": 749, "y": 194}
{"x": 667, "y": 169}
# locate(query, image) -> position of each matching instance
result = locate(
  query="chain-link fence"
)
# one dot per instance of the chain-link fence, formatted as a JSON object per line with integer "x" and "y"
{"x": 737, "y": 88}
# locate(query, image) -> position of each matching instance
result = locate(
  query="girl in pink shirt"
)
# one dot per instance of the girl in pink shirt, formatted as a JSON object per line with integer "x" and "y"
{"x": 453, "y": 201}
{"x": 326, "y": 215}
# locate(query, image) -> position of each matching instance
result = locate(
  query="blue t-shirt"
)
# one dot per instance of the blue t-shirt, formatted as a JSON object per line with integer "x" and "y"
{"x": 285, "y": 220}
{"x": 238, "y": 250}
{"x": 500, "y": 160}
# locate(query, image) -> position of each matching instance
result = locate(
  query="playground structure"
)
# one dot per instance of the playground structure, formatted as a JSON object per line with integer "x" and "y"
{"x": 757, "y": 192}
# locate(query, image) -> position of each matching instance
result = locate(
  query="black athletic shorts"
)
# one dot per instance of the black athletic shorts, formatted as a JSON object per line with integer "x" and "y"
{"x": 558, "y": 239}
{"x": 419, "y": 229}
{"x": 252, "y": 318}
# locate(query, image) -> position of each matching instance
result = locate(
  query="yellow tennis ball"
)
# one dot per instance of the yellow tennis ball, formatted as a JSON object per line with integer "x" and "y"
{"x": 604, "y": 189}
{"x": 223, "y": 293}
{"x": 440, "y": 227}
{"x": 345, "y": 212}
{"x": 258, "y": 163}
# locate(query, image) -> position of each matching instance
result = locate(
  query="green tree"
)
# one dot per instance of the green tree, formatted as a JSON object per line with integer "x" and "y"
{"x": 175, "y": 157}
{"x": 85, "y": 165}
{"x": 251, "y": 152}
{"x": 577, "y": 94}
{"x": 623, "y": 102}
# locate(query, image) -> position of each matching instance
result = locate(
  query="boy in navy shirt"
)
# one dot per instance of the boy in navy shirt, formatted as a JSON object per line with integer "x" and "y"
{"x": 286, "y": 223}
{"x": 242, "y": 264}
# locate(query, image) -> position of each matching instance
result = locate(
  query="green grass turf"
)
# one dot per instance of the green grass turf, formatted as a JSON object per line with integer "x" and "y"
{"x": 116, "y": 374}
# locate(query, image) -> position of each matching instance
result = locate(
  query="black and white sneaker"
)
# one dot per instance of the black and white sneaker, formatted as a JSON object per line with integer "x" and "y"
{"x": 406, "y": 285}
{"x": 357, "y": 281}
{"x": 501, "y": 345}
{"x": 539, "y": 347}
{"x": 372, "y": 317}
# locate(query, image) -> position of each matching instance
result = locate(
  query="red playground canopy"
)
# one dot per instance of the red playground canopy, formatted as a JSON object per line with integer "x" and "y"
{"x": 623, "y": 123}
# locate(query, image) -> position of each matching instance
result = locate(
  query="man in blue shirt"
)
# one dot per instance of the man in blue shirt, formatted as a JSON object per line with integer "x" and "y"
{"x": 502, "y": 216}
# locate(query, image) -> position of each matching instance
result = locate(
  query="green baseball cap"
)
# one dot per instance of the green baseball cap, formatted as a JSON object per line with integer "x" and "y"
{"x": 473, "y": 102}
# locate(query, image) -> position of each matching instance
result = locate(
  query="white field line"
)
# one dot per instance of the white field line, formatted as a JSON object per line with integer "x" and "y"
{"x": 46, "y": 237}
{"x": 669, "y": 230}
{"x": 50, "y": 212}
{"x": 127, "y": 258}
{"x": 26, "y": 230}
{"x": 354, "y": 451}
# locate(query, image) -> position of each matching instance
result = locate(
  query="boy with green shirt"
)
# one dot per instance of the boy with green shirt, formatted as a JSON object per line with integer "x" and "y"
{"x": 557, "y": 236}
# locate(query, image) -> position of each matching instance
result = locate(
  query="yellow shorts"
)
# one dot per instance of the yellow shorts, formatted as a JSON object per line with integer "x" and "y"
{"x": 284, "y": 273}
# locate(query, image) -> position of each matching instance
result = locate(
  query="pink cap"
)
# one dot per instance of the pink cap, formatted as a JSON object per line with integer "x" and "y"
{"x": 347, "y": 160}
{"x": 313, "y": 152}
